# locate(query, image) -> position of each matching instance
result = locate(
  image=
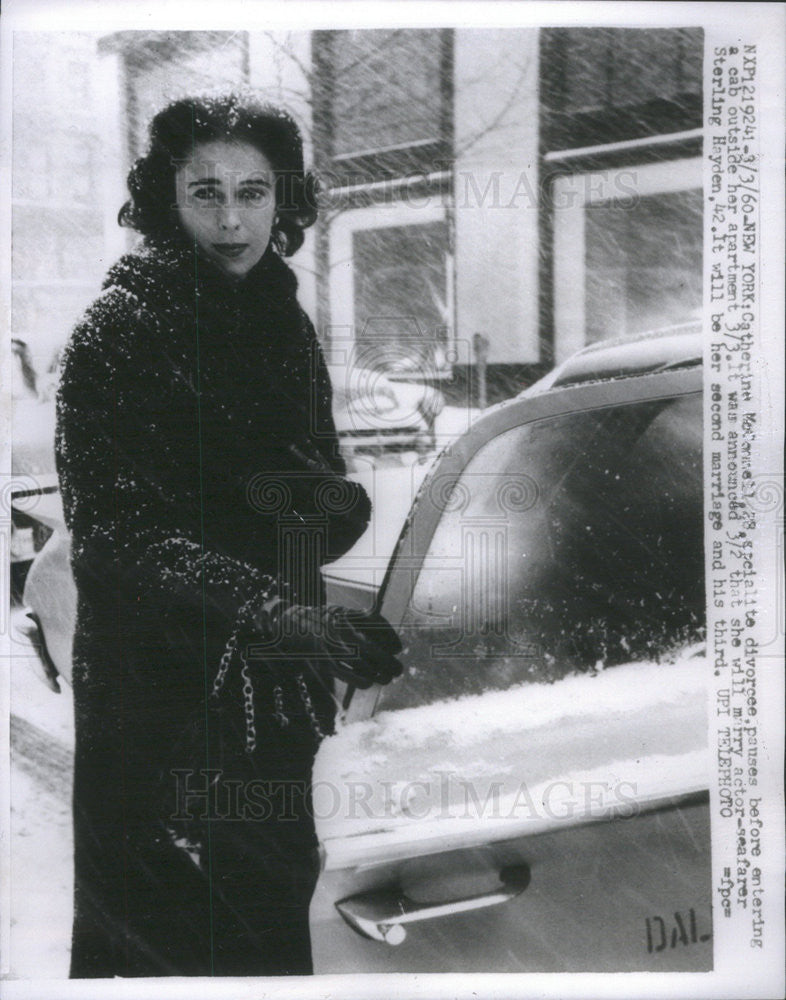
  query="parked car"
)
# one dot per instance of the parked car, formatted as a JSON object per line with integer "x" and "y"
{"x": 376, "y": 416}
{"x": 33, "y": 460}
{"x": 531, "y": 795}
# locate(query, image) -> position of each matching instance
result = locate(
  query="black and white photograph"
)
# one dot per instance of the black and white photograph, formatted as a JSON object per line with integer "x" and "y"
{"x": 392, "y": 500}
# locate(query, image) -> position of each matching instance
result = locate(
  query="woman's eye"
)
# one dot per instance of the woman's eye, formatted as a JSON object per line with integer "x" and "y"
{"x": 205, "y": 194}
{"x": 254, "y": 196}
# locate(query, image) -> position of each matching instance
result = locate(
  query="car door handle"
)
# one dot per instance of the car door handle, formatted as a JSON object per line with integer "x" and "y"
{"x": 381, "y": 915}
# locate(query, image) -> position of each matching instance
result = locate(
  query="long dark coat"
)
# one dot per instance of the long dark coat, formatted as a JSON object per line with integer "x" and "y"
{"x": 196, "y": 450}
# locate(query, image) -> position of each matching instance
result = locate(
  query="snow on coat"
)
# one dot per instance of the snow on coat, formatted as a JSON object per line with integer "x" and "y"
{"x": 200, "y": 473}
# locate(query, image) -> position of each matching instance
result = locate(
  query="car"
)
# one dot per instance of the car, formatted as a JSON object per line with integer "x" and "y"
{"x": 531, "y": 795}
{"x": 377, "y": 416}
{"x": 33, "y": 457}
{"x": 48, "y": 613}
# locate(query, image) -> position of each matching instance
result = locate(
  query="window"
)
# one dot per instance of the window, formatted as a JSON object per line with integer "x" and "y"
{"x": 608, "y": 67}
{"x": 627, "y": 251}
{"x": 75, "y": 170}
{"x": 382, "y": 102}
{"x": 643, "y": 264}
{"x": 382, "y": 132}
{"x": 603, "y": 85}
{"x": 621, "y": 130}
{"x": 565, "y": 544}
{"x": 400, "y": 289}
{"x": 161, "y": 66}
{"x": 387, "y": 89}
{"x": 391, "y": 283}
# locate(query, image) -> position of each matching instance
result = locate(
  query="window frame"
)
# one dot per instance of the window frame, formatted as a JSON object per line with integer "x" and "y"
{"x": 396, "y": 160}
{"x": 341, "y": 258}
{"x": 579, "y": 190}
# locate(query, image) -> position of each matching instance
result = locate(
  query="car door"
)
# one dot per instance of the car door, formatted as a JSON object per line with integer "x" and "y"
{"x": 531, "y": 794}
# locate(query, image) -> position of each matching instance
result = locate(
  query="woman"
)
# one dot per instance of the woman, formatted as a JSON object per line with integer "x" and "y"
{"x": 203, "y": 488}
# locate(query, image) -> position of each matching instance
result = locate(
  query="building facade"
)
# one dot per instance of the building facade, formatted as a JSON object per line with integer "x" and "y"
{"x": 491, "y": 198}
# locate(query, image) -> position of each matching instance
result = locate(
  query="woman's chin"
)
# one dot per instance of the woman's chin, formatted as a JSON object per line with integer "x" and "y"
{"x": 236, "y": 269}
{"x": 231, "y": 268}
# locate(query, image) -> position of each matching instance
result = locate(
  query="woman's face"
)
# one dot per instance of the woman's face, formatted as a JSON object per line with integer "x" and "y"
{"x": 226, "y": 203}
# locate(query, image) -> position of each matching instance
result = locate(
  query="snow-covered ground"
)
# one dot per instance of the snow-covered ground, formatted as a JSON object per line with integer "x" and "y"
{"x": 41, "y": 880}
{"x": 41, "y": 885}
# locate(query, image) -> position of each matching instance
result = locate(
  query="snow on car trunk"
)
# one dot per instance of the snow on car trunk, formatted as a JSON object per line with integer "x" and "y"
{"x": 587, "y": 747}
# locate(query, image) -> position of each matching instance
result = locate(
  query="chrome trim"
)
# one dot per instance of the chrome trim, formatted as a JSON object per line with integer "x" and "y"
{"x": 385, "y": 846}
{"x": 381, "y": 915}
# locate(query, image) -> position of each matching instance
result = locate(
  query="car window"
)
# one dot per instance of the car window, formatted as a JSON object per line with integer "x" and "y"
{"x": 569, "y": 543}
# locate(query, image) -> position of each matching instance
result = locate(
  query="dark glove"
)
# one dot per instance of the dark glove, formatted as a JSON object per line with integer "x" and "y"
{"x": 359, "y": 647}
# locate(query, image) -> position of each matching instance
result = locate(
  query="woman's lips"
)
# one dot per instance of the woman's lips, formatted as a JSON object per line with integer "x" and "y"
{"x": 230, "y": 250}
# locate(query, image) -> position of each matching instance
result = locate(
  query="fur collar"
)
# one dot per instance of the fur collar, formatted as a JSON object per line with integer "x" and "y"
{"x": 171, "y": 268}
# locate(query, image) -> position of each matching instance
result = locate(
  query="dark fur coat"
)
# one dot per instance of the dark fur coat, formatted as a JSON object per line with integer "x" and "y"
{"x": 200, "y": 474}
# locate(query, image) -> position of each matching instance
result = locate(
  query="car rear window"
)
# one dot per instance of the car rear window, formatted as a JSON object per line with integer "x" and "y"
{"x": 572, "y": 543}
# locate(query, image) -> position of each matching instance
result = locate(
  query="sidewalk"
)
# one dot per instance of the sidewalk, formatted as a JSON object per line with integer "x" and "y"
{"x": 42, "y": 740}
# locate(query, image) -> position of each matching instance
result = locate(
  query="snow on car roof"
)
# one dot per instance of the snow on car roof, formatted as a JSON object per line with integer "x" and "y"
{"x": 675, "y": 348}
{"x": 622, "y": 357}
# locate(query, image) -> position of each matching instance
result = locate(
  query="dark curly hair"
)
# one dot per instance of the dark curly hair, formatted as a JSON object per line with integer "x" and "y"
{"x": 185, "y": 123}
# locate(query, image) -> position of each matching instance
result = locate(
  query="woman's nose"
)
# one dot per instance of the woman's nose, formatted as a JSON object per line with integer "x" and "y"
{"x": 230, "y": 217}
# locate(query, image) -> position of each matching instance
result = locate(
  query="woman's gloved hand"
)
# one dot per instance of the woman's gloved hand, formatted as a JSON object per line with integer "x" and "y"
{"x": 359, "y": 647}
